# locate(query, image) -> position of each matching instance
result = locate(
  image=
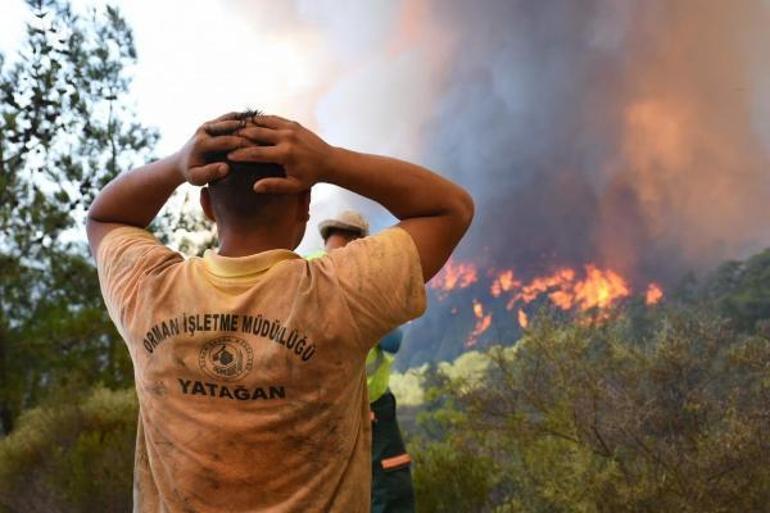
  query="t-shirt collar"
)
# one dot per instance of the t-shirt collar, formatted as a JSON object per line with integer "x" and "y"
{"x": 242, "y": 267}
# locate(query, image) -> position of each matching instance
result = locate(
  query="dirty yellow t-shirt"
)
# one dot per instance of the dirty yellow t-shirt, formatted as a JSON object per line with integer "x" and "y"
{"x": 250, "y": 371}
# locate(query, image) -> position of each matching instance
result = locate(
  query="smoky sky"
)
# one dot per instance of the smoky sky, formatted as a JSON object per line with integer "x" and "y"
{"x": 633, "y": 134}
{"x": 623, "y": 133}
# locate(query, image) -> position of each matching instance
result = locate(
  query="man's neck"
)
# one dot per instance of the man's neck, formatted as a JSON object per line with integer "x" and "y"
{"x": 233, "y": 243}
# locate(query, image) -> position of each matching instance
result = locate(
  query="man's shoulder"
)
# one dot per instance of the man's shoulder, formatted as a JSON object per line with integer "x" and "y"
{"x": 129, "y": 246}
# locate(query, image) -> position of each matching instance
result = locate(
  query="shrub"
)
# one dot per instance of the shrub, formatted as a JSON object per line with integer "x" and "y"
{"x": 595, "y": 419}
{"x": 71, "y": 457}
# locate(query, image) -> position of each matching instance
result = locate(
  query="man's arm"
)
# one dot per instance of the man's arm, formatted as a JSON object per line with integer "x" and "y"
{"x": 132, "y": 199}
{"x": 435, "y": 211}
{"x": 136, "y": 197}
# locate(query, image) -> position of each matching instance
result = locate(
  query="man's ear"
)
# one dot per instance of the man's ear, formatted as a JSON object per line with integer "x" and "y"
{"x": 206, "y": 204}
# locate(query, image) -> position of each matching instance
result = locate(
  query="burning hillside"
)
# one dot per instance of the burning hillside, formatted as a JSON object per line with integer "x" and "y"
{"x": 492, "y": 296}
{"x": 609, "y": 146}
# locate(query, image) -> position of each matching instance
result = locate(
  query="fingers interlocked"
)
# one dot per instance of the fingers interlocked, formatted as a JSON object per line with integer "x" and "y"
{"x": 271, "y": 136}
{"x": 260, "y": 138}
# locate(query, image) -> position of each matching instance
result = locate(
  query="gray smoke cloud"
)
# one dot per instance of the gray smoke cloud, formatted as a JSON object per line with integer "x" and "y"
{"x": 633, "y": 134}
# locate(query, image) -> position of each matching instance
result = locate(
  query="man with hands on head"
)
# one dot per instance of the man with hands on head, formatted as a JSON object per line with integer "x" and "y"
{"x": 249, "y": 362}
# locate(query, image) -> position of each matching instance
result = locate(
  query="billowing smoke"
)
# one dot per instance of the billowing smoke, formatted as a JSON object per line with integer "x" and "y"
{"x": 623, "y": 133}
{"x": 629, "y": 134}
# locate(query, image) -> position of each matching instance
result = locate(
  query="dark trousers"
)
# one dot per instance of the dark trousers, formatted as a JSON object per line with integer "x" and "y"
{"x": 392, "y": 490}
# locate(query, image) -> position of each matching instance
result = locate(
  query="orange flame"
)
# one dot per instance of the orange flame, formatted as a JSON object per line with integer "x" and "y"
{"x": 654, "y": 294}
{"x": 483, "y": 322}
{"x": 561, "y": 279}
{"x": 600, "y": 288}
{"x": 564, "y": 299}
{"x": 504, "y": 282}
{"x": 596, "y": 290}
{"x": 523, "y": 318}
{"x": 454, "y": 276}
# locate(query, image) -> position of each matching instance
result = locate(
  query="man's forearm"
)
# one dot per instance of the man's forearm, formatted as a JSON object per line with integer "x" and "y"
{"x": 406, "y": 190}
{"x": 435, "y": 211}
{"x": 136, "y": 197}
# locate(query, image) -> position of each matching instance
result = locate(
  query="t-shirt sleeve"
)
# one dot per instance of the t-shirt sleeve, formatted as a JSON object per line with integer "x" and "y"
{"x": 126, "y": 256}
{"x": 381, "y": 278}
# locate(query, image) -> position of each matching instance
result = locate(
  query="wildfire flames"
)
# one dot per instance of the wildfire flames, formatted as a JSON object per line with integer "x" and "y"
{"x": 454, "y": 276}
{"x": 504, "y": 282}
{"x": 483, "y": 322}
{"x": 594, "y": 290}
{"x": 654, "y": 294}
{"x": 523, "y": 319}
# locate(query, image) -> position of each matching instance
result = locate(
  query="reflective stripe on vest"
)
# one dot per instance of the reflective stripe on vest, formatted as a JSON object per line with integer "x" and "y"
{"x": 396, "y": 461}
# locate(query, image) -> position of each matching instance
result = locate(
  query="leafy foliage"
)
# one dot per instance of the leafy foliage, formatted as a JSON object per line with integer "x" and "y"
{"x": 588, "y": 419}
{"x": 741, "y": 291}
{"x": 66, "y": 129}
{"x": 71, "y": 456}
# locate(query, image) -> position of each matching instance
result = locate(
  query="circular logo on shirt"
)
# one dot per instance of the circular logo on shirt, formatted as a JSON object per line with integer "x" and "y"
{"x": 227, "y": 358}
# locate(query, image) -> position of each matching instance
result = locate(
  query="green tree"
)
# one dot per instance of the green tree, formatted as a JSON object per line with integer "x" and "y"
{"x": 741, "y": 290}
{"x": 578, "y": 418}
{"x": 66, "y": 129}
{"x": 73, "y": 456}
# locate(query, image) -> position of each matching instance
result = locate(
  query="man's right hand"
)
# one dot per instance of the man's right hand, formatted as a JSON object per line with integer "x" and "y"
{"x": 304, "y": 156}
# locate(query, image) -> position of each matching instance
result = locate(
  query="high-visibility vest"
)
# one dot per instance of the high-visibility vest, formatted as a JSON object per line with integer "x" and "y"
{"x": 315, "y": 254}
{"x": 378, "y": 362}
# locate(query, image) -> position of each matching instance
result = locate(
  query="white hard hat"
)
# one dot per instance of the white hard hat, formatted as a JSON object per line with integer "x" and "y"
{"x": 349, "y": 220}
